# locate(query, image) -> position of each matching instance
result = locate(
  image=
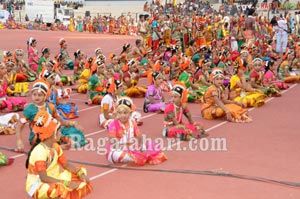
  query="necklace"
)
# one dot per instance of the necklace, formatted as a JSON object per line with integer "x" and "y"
{"x": 178, "y": 115}
{"x": 40, "y": 107}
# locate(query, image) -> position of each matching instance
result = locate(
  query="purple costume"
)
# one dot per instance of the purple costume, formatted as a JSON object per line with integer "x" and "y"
{"x": 156, "y": 93}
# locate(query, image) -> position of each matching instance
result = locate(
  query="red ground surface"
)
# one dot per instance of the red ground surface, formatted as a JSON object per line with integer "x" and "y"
{"x": 268, "y": 147}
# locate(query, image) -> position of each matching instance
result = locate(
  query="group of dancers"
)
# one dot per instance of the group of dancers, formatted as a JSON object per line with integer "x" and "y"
{"x": 225, "y": 76}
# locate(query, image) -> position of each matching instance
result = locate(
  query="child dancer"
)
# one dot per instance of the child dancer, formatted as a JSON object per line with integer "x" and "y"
{"x": 114, "y": 91}
{"x": 216, "y": 105}
{"x": 33, "y": 58}
{"x": 39, "y": 95}
{"x": 271, "y": 76}
{"x": 173, "y": 124}
{"x": 10, "y": 104}
{"x": 14, "y": 88}
{"x": 125, "y": 142}
{"x": 154, "y": 100}
{"x": 256, "y": 79}
{"x": 241, "y": 90}
{"x": 50, "y": 174}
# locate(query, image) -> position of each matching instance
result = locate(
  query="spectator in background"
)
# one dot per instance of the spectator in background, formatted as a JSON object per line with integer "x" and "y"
{"x": 37, "y": 20}
{"x": 281, "y": 35}
{"x": 41, "y": 19}
{"x": 26, "y": 18}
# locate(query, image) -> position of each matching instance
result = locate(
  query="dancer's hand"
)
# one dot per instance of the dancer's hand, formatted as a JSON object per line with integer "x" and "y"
{"x": 84, "y": 178}
{"x": 73, "y": 185}
{"x": 228, "y": 116}
{"x": 240, "y": 104}
{"x": 20, "y": 146}
{"x": 89, "y": 102}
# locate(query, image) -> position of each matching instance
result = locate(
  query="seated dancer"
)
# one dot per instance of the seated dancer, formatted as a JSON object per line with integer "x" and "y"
{"x": 201, "y": 76}
{"x": 174, "y": 111}
{"x": 84, "y": 76}
{"x": 216, "y": 105}
{"x": 144, "y": 67}
{"x": 107, "y": 107}
{"x": 131, "y": 79}
{"x": 53, "y": 67}
{"x": 137, "y": 52}
{"x": 186, "y": 76}
{"x": 154, "y": 100}
{"x": 241, "y": 90}
{"x": 33, "y": 58}
{"x": 59, "y": 65}
{"x": 64, "y": 109}
{"x": 24, "y": 72}
{"x": 285, "y": 68}
{"x": 14, "y": 88}
{"x": 79, "y": 63}
{"x": 43, "y": 59}
{"x": 125, "y": 141}
{"x": 256, "y": 79}
{"x": 8, "y": 123}
{"x": 50, "y": 174}
{"x": 116, "y": 66}
{"x": 68, "y": 62}
{"x": 39, "y": 93}
{"x": 8, "y": 104}
{"x": 271, "y": 76}
{"x": 96, "y": 84}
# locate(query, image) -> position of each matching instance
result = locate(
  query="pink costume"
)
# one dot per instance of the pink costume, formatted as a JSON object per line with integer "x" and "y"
{"x": 125, "y": 149}
{"x": 181, "y": 130}
{"x": 33, "y": 58}
{"x": 13, "y": 103}
{"x": 270, "y": 77}
{"x": 157, "y": 94}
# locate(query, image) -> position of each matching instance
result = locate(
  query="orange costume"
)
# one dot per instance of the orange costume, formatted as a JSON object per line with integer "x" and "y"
{"x": 52, "y": 161}
{"x": 211, "y": 110}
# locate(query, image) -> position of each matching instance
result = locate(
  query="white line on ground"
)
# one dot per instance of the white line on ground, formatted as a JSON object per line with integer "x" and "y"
{"x": 16, "y": 156}
{"x": 106, "y": 172}
{"x": 85, "y": 109}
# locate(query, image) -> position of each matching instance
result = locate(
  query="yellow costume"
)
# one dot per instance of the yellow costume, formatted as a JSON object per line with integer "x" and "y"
{"x": 43, "y": 158}
{"x": 47, "y": 160}
{"x": 249, "y": 99}
{"x": 83, "y": 81}
{"x": 20, "y": 88}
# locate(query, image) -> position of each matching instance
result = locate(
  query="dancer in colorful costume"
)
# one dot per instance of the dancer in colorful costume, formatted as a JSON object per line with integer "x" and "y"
{"x": 154, "y": 100}
{"x": 39, "y": 94}
{"x": 50, "y": 174}
{"x": 256, "y": 79}
{"x": 96, "y": 84}
{"x": 241, "y": 90}
{"x": 8, "y": 104}
{"x": 174, "y": 112}
{"x": 125, "y": 141}
{"x": 216, "y": 105}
